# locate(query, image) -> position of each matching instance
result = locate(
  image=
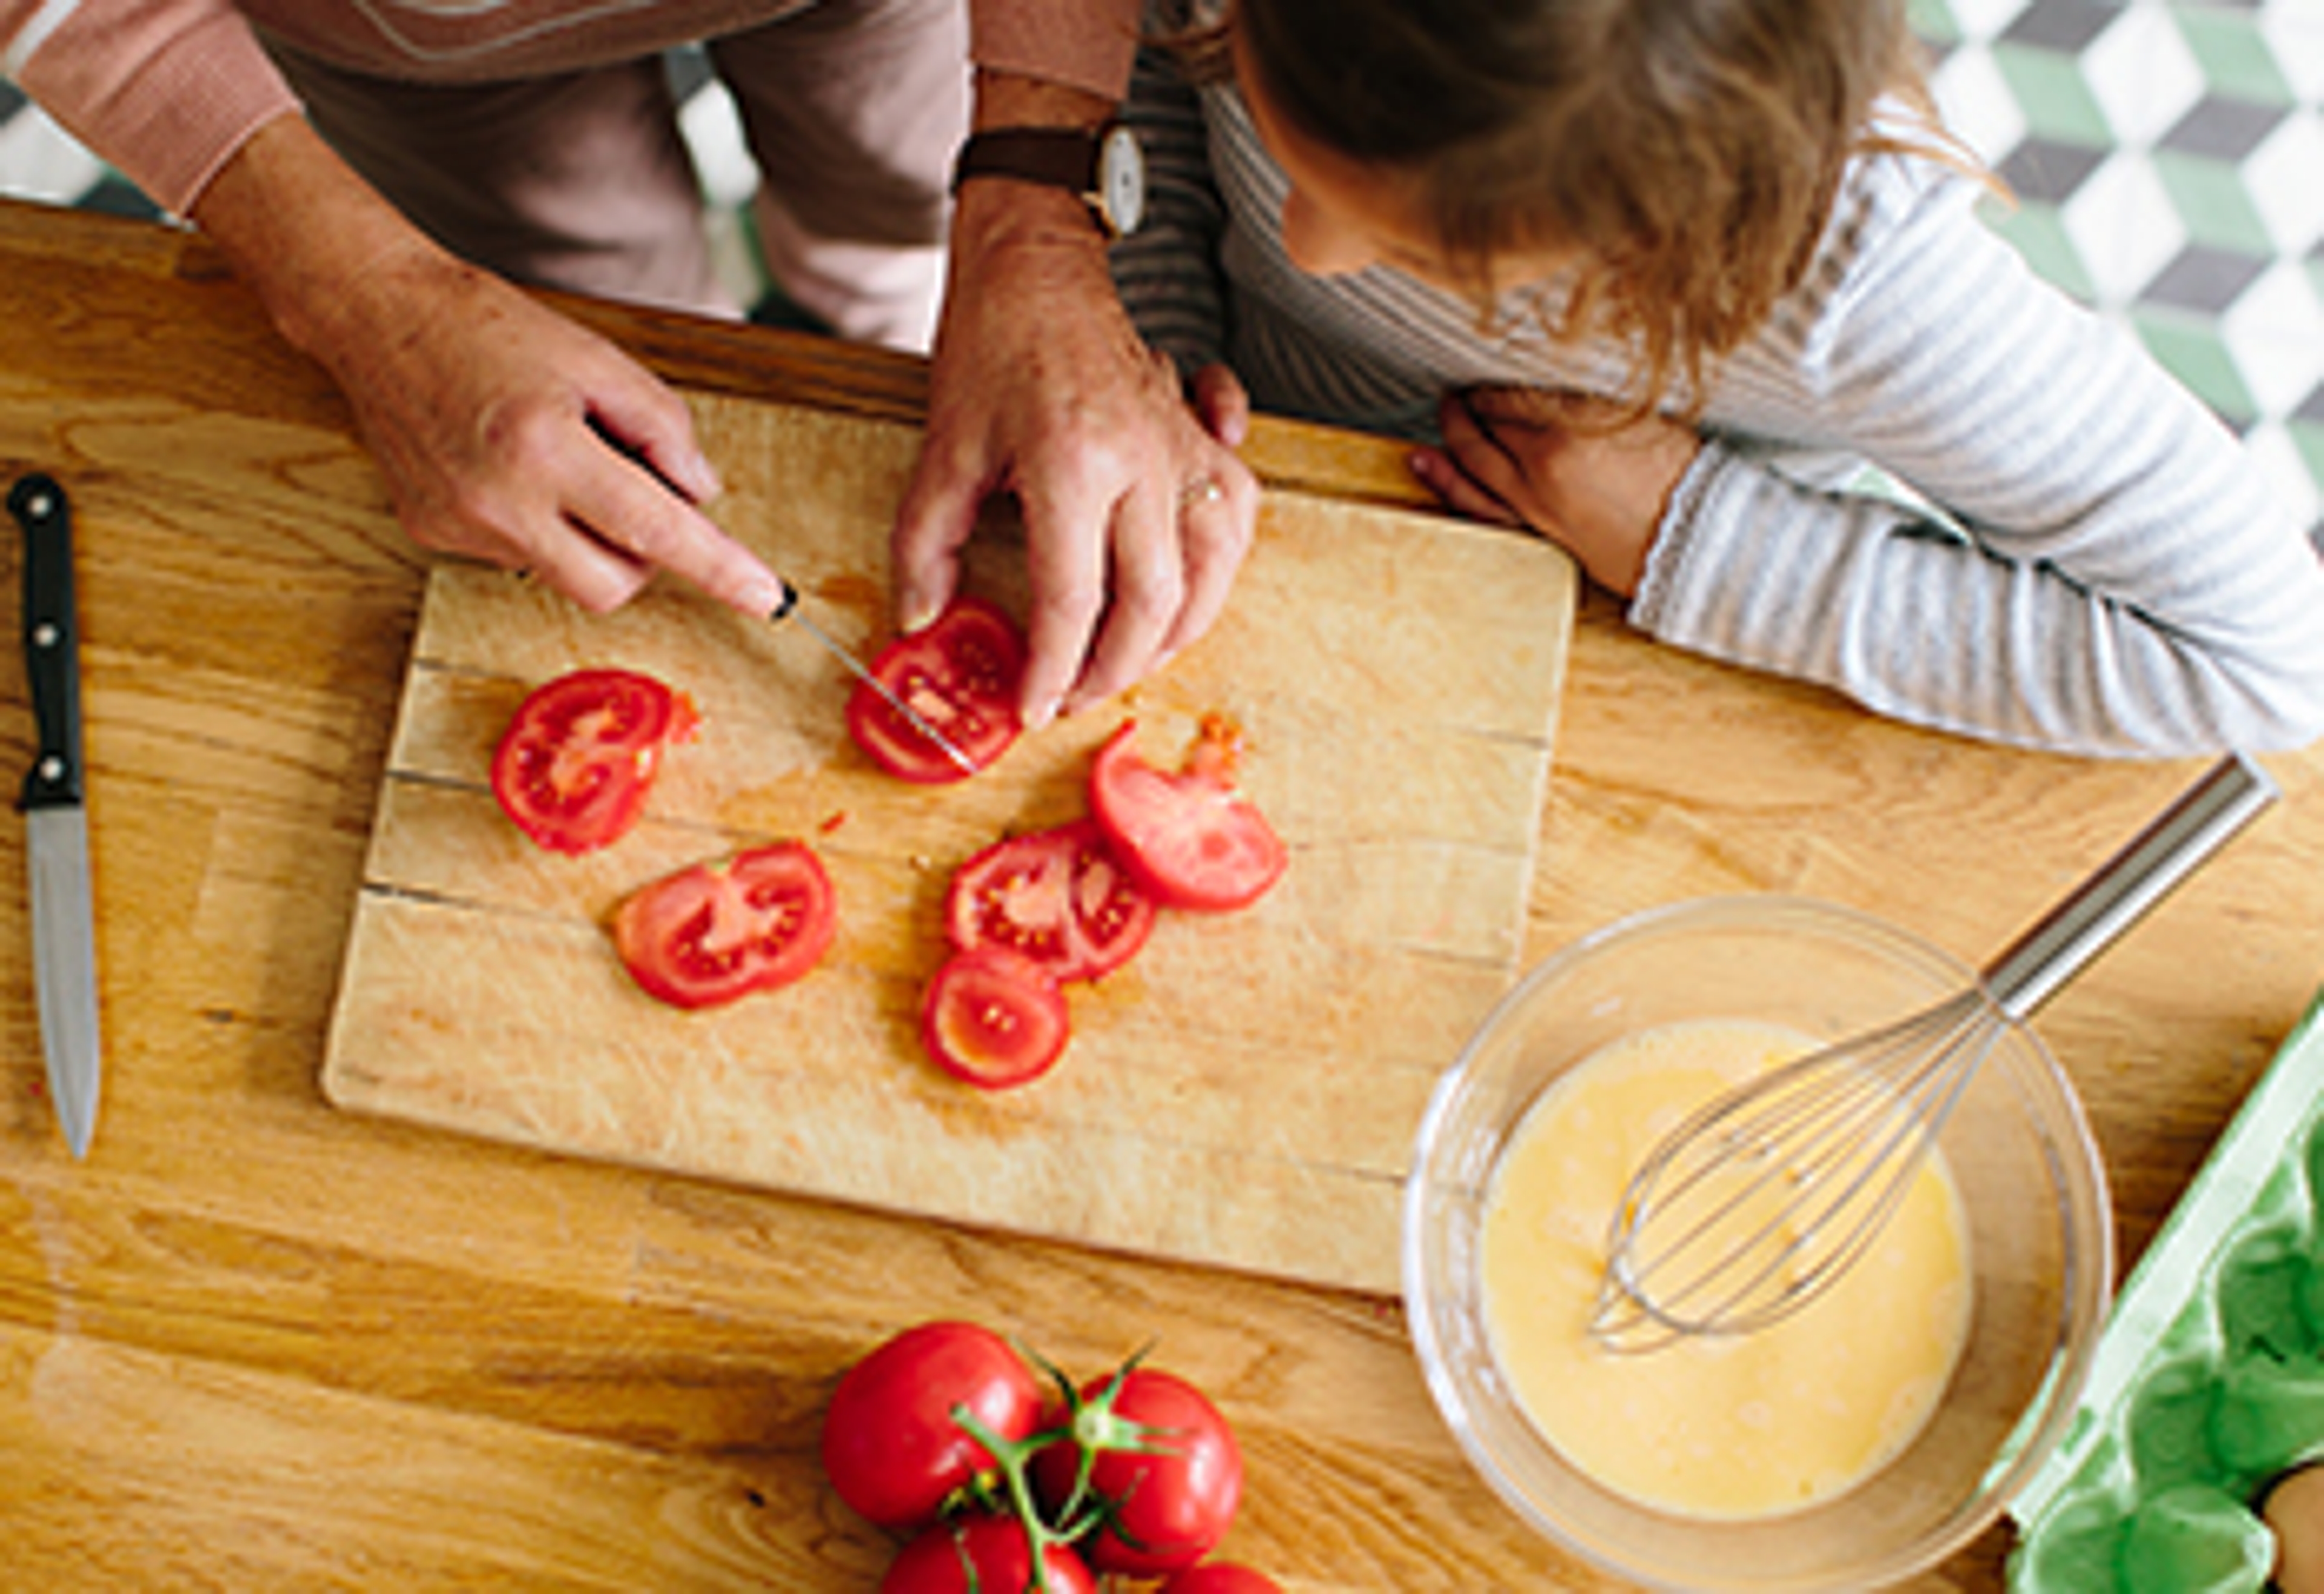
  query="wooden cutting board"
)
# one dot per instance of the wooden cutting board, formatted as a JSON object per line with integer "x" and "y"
{"x": 1244, "y": 1093}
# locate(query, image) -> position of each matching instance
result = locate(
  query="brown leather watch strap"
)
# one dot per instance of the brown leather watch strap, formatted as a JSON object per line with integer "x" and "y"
{"x": 1056, "y": 157}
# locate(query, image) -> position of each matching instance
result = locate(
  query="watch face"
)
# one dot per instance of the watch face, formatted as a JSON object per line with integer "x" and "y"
{"x": 1122, "y": 179}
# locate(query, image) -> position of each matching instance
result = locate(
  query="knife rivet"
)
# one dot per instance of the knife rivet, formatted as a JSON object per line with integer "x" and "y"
{"x": 40, "y": 505}
{"x": 45, "y": 634}
{"x": 52, "y": 768}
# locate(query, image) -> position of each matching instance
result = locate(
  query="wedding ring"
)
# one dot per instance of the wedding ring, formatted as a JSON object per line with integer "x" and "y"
{"x": 1201, "y": 490}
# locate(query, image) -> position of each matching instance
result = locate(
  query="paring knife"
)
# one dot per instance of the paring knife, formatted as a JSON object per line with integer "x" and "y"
{"x": 56, "y": 822}
{"x": 789, "y": 609}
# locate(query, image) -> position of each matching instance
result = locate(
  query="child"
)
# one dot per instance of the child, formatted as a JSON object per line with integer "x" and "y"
{"x": 1666, "y": 279}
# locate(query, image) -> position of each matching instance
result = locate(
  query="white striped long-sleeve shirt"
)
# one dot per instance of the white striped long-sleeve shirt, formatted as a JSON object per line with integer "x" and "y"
{"x": 2109, "y": 574}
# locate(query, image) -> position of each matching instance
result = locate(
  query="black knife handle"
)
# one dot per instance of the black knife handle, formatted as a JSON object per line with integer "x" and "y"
{"x": 52, "y": 641}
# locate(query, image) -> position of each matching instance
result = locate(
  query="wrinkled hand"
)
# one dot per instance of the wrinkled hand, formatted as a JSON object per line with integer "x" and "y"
{"x": 1526, "y": 457}
{"x": 1042, "y": 388}
{"x": 512, "y": 435}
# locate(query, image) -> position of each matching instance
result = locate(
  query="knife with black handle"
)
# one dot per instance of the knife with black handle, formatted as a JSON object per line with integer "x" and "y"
{"x": 56, "y": 819}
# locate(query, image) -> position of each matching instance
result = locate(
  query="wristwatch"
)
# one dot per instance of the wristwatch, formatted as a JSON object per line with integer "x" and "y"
{"x": 1103, "y": 164}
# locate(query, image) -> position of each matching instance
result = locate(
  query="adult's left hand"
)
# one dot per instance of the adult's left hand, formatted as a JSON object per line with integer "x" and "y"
{"x": 1137, "y": 511}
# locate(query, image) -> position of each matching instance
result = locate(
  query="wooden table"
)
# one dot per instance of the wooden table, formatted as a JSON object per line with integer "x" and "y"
{"x": 254, "y": 1343}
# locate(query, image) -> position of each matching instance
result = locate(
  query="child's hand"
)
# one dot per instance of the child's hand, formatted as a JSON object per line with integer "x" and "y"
{"x": 1529, "y": 457}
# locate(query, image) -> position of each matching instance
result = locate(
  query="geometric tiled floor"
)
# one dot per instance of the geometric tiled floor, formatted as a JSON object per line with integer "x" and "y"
{"x": 2166, "y": 156}
{"x": 2168, "y": 164}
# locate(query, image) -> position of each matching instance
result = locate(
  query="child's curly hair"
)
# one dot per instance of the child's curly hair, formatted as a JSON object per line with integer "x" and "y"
{"x": 1685, "y": 153}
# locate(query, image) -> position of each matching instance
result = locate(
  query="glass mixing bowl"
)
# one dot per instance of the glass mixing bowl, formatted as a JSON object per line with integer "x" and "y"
{"x": 2033, "y": 1193}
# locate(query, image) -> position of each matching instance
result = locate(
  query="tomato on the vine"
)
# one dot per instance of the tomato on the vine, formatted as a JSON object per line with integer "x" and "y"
{"x": 1173, "y": 1492}
{"x": 718, "y": 931}
{"x": 1189, "y": 838}
{"x": 1058, "y": 896}
{"x": 960, "y": 673}
{"x": 981, "y": 1554}
{"x": 573, "y": 768}
{"x": 892, "y": 1445}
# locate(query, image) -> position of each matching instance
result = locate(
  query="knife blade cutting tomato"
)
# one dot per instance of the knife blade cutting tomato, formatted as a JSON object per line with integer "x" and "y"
{"x": 960, "y": 673}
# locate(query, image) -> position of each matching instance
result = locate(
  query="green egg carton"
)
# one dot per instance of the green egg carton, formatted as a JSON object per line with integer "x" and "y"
{"x": 2208, "y": 1381}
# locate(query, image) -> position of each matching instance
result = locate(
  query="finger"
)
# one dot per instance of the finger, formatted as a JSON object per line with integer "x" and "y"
{"x": 1215, "y": 535}
{"x": 642, "y": 518}
{"x": 653, "y": 425}
{"x": 1457, "y": 491}
{"x": 586, "y": 569}
{"x": 1222, "y": 403}
{"x": 1480, "y": 456}
{"x": 1148, "y": 592}
{"x": 934, "y": 522}
{"x": 1066, "y": 533}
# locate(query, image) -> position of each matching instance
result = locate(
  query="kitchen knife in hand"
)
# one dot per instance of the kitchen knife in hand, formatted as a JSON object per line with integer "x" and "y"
{"x": 56, "y": 820}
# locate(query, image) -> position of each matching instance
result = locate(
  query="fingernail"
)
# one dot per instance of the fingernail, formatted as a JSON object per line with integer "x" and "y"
{"x": 917, "y": 614}
{"x": 1042, "y": 713}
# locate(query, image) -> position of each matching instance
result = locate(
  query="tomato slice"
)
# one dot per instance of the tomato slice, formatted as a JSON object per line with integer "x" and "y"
{"x": 994, "y": 1018}
{"x": 718, "y": 931}
{"x": 1059, "y": 897}
{"x": 577, "y": 760}
{"x": 1188, "y": 838}
{"x": 960, "y": 674}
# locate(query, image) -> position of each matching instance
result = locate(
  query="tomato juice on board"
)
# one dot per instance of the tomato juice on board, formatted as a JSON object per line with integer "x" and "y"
{"x": 1725, "y": 1428}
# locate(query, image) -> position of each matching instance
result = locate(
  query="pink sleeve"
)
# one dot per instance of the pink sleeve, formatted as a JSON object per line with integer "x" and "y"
{"x": 164, "y": 90}
{"x": 1085, "y": 44}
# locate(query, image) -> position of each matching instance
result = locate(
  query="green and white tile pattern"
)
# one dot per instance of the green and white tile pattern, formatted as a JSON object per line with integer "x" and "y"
{"x": 2167, "y": 160}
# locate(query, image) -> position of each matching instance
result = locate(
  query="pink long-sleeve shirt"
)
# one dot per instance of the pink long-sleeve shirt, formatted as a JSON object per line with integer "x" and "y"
{"x": 167, "y": 91}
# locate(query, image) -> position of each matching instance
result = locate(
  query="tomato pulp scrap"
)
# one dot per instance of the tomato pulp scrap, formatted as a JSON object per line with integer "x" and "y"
{"x": 1059, "y": 897}
{"x": 961, "y": 673}
{"x": 574, "y": 766}
{"x": 718, "y": 931}
{"x": 1190, "y": 837}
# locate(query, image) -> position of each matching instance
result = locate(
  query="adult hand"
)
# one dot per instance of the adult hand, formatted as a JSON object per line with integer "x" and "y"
{"x": 1556, "y": 463}
{"x": 506, "y": 433}
{"x": 1136, "y": 512}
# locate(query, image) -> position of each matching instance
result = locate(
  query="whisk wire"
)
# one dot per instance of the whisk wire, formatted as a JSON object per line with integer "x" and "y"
{"x": 1820, "y": 1134}
{"x": 1757, "y": 1202}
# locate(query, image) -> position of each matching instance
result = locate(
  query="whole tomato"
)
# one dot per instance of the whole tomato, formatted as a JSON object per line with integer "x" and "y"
{"x": 891, "y": 1446}
{"x": 1173, "y": 1495}
{"x": 981, "y": 1555}
{"x": 1220, "y": 1577}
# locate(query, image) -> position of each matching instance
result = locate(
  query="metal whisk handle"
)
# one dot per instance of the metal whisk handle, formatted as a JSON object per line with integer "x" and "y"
{"x": 2062, "y": 941}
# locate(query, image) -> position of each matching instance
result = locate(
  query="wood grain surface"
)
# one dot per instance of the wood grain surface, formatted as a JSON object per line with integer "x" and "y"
{"x": 256, "y": 1343}
{"x": 1244, "y": 1092}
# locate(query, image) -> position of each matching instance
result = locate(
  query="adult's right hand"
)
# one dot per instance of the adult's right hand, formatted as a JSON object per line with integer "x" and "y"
{"x": 507, "y": 433}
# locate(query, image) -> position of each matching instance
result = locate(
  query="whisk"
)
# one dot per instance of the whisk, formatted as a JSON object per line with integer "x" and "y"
{"x": 1760, "y": 1201}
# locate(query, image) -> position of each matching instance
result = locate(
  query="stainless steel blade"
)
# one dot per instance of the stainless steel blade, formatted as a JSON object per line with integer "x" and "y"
{"x": 918, "y": 722}
{"x": 64, "y": 966}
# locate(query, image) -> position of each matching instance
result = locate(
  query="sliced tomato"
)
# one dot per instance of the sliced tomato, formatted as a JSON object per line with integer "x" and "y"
{"x": 1058, "y": 896}
{"x": 994, "y": 1018}
{"x": 718, "y": 931}
{"x": 1189, "y": 838}
{"x": 960, "y": 673}
{"x": 577, "y": 760}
